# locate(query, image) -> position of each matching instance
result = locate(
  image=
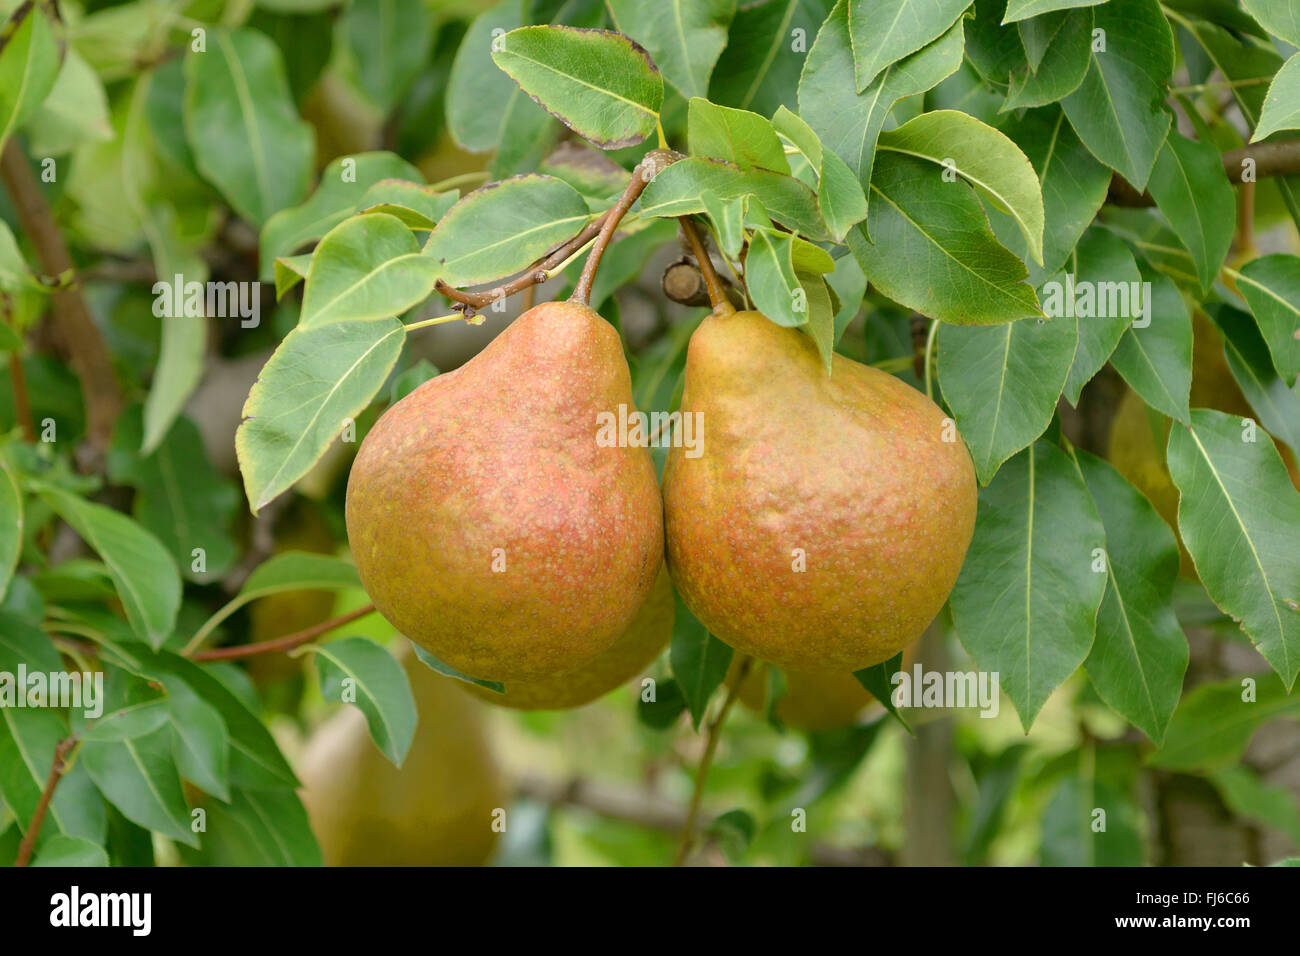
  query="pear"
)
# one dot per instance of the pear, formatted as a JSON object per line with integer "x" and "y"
{"x": 823, "y": 522}
{"x": 488, "y": 522}
{"x": 437, "y": 810}
{"x": 812, "y": 700}
{"x": 635, "y": 649}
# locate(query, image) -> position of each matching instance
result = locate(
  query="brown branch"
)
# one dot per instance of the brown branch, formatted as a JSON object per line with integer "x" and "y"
{"x": 57, "y": 770}
{"x": 287, "y": 643}
{"x": 710, "y": 748}
{"x": 717, "y": 291}
{"x": 76, "y": 329}
{"x": 22, "y": 405}
{"x": 1271, "y": 159}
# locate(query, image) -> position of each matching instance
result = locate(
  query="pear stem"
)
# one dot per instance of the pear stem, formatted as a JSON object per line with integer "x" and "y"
{"x": 712, "y": 284}
{"x": 286, "y": 643}
{"x": 929, "y": 355}
{"x": 641, "y": 176}
{"x": 706, "y": 761}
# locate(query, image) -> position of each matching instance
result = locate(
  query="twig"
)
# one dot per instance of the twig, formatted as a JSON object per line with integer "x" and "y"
{"x": 76, "y": 329}
{"x": 717, "y": 291}
{"x": 57, "y": 769}
{"x": 1271, "y": 159}
{"x": 645, "y": 171}
{"x": 706, "y": 761}
{"x": 287, "y": 643}
{"x": 22, "y": 405}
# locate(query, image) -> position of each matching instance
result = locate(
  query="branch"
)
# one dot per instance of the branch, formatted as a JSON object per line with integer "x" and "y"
{"x": 1271, "y": 159}
{"x": 712, "y": 284}
{"x": 57, "y": 770}
{"x": 287, "y": 643}
{"x": 76, "y": 329}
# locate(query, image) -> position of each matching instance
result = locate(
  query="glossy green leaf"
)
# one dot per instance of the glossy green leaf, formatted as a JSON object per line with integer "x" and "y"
{"x": 1271, "y": 287}
{"x": 1023, "y": 9}
{"x": 840, "y": 197}
{"x": 261, "y": 828}
{"x": 1140, "y": 653}
{"x": 699, "y": 661}
{"x": 820, "y": 310}
{"x": 289, "y": 271}
{"x": 236, "y": 92}
{"x": 736, "y": 136}
{"x": 342, "y": 185}
{"x": 367, "y": 267}
{"x": 983, "y": 157}
{"x": 1279, "y": 17}
{"x": 139, "y": 777}
{"x": 143, "y": 573}
{"x": 418, "y": 207}
{"x": 28, "y": 736}
{"x": 1118, "y": 110}
{"x": 598, "y": 83}
{"x": 677, "y": 192}
{"x": 1070, "y": 836}
{"x": 931, "y": 249}
{"x": 1002, "y": 384}
{"x": 885, "y": 31}
{"x": 317, "y": 380}
{"x": 1103, "y": 289}
{"x": 358, "y": 671}
{"x": 503, "y": 227}
{"x": 389, "y": 41}
{"x": 11, "y": 526}
{"x": 446, "y": 670}
{"x": 759, "y": 69}
{"x": 29, "y": 65}
{"x": 683, "y": 37}
{"x": 1025, "y": 604}
{"x": 1156, "y": 360}
{"x": 1059, "y": 68}
{"x": 1237, "y": 513}
{"x": 200, "y": 741}
{"x": 1277, "y": 406}
{"x": 70, "y": 851}
{"x": 74, "y": 112}
{"x": 770, "y": 278}
{"x": 132, "y": 720}
{"x": 1214, "y": 722}
{"x": 1193, "y": 193}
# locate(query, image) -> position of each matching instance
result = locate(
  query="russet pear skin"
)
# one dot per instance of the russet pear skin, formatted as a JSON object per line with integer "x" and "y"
{"x": 497, "y": 465}
{"x": 634, "y": 651}
{"x": 851, "y": 470}
{"x": 436, "y": 810}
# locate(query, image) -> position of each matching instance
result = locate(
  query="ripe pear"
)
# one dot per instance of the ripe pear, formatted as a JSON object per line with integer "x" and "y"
{"x": 812, "y": 700}
{"x": 488, "y": 523}
{"x": 635, "y": 649}
{"x": 823, "y": 522}
{"x": 437, "y": 810}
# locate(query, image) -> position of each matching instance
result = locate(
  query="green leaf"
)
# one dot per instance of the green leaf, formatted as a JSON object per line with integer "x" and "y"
{"x": 410, "y": 380}
{"x": 143, "y": 573}
{"x": 1059, "y": 68}
{"x": 342, "y": 185}
{"x": 289, "y": 271}
{"x": 997, "y": 785}
{"x": 357, "y": 670}
{"x": 1102, "y": 291}
{"x": 820, "y": 311}
{"x": 367, "y": 267}
{"x": 180, "y": 366}
{"x": 1192, "y": 192}
{"x": 993, "y": 164}
{"x": 1246, "y": 795}
{"x": 180, "y": 497}
{"x": 849, "y": 285}
{"x": 236, "y": 93}
{"x": 1214, "y": 722}
{"x": 446, "y": 670}
{"x": 848, "y": 122}
{"x": 70, "y": 851}
{"x": 1069, "y": 834}
{"x": 1271, "y": 287}
{"x": 1279, "y": 17}
{"x": 1237, "y": 514}
{"x": 1024, "y": 9}
{"x": 200, "y": 741}
{"x": 503, "y": 227}
{"x": 759, "y": 69}
{"x": 600, "y": 84}
{"x": 1002, "y": 384}
{"x": 28, "y": 736}
{"x": 29, "y": 65}
{"x": 389, "y": 41}
{"x": 931, "y": 249}
{"x": 1025, "y": 603}
{"x": 698, "y": 659}
{"x": 1156, "y": 360}
{"x": 316, "y": 381}
{"x": 770, "y": 278}
{"x": 1278, "y": 407}
{"x": 736, "y": 136}
{"x": 1118, "y": 110}
{"x": 418, "y": 207}
{"x": 677, "y": 191}
{"x": 74, "y": 112}
{"x": 1074, "y": 186}
{"x": 133, "y": 720}
{"x": 885, "y": 31}
{"x": 11, "y": 526}
{"x": 139, "y": 777}
{"x": 840, "y": 197}
{"x": 684, "y": 37}
{"x": 1140, "y": 653}
{"x": 261, "y": 828}
{"x": 879, "y": 681}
